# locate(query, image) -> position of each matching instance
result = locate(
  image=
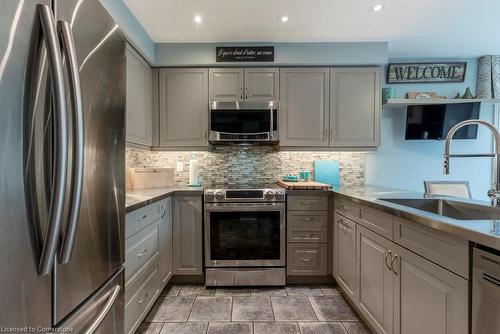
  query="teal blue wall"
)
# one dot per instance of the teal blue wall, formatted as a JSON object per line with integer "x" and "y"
{"x": 406, "y": 164}
{"x": 134, "y": 31}
{"x": 203, "y": 54}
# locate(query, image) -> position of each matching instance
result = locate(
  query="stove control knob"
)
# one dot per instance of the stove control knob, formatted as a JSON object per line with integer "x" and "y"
{"x": 269, "y": 195}
{"x": 219, "y": 196}
{"x": 209, "y": 196}
{"x": 280, "y": 196}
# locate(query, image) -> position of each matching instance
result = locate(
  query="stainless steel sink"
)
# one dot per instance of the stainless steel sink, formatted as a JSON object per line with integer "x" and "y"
{"x": 449, "y": 208}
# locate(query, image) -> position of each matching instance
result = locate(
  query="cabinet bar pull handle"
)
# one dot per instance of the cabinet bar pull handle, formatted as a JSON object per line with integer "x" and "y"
{"x": 141, "y": 254}
{"x": 306, "y": 202}
{"x": 305, "y": 260}
{"x": 392, "y": 264}
{"x": 385, "y": 260}
{"x": 144, "y": 216}
{"x": 246, "y": 93}
{"x": 146, "y": 295}
{"x": 241, "y": 93}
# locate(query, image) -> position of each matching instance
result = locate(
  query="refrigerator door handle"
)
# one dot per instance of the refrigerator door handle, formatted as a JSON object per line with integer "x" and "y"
{"x": 61, "y": 143}
{"x": 105, "y": 310}
{"x": 76, "y": 183}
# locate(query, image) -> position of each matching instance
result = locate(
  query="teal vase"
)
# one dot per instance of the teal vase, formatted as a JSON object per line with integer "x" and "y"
{"x": 467, "y": 94}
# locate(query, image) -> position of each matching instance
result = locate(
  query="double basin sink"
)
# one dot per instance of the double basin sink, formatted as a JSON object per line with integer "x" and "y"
{"x": 449, "y": 208}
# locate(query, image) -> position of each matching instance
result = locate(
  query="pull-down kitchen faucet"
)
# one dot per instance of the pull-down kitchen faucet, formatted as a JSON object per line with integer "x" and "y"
{"x": 494, "y": 192}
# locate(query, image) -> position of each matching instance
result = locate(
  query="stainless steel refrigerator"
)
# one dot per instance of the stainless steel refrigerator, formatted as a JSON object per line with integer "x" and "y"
{"x": 62, "y": 147}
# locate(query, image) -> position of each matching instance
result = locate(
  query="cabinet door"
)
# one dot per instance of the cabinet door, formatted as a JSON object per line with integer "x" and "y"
{"x": 165, "y": 261}
{"x": 226, "y": 84}
{"x": 304, "y": 97}
{"x": 429, "y": 298}
{"x": 354, "y": 106}
{"x": 262, "y": 84}
{"x": 139, "y": 106}
{"x": 187, "y": 235}
{"x": 345, "y": 255}
{"x": 376, "y": 279}
{"x": 183, "y": 107}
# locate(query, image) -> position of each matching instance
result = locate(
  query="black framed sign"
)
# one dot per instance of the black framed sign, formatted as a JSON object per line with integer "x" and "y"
{"x": 426, "y": 72}
{"x": 244, "y": 54}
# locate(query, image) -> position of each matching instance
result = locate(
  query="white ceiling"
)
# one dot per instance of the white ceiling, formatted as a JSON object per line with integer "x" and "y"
{"x": 413, "y": 28}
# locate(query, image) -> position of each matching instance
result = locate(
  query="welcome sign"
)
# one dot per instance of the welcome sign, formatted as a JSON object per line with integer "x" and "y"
{"x": 245, "y": 54}
{"x": 426, "y": 72}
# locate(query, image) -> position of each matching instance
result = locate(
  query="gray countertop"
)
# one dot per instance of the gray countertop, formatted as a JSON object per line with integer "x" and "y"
{"x": 136, "y": 199}
{"x": 486, "y": 232}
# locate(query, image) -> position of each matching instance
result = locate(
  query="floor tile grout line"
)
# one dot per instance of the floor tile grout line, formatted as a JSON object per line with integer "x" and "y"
{"x": 191, "y": 309}
{"x": 314, "y": 311}
{"x": 231, "y": 312}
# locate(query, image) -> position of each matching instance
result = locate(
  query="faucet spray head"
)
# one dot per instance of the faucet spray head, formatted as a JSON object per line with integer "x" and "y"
{"x": 446, "y": 165}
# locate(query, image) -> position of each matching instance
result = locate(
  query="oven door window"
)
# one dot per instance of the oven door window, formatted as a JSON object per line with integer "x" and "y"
{"x": 245, "y": 235}
{"x": 242, "y": 121}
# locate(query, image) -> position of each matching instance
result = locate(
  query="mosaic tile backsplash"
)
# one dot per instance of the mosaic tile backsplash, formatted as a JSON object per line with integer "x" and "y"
{"x": 259, "y": 164}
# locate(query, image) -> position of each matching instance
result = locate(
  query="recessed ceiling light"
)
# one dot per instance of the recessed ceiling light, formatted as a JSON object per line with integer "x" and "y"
{"x": 284, "y": 19}
{"x": 377, "y": 8}
{"x": 197, "y": 19}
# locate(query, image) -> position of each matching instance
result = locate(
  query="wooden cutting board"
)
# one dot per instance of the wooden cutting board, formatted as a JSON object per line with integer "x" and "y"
{"x": 308, "y": 185}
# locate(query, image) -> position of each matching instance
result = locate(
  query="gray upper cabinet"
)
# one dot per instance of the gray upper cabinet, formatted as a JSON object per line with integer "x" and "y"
{"x": 187, "y": 235}
{"x": 139, "y": 99}
{"x": 354, "y": 107}
{"x": 304, "y": 106}
{"x": 183, "y": 106}
{"x": 226, "y": 84}
{"x": 261, "y": 84}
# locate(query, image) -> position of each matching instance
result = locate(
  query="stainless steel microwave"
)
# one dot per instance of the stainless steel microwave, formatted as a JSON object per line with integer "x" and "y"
{"x": 244, "y": 122}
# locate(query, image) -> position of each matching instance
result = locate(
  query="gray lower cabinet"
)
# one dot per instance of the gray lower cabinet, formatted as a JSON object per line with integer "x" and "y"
{"x": 429, "y": 298}
{"x": 376, "y": 280}
{"x": 183, "y": 106}
{"x": 148, "y": 259}
{"x": 304, "y": 107}
{"x": 398, "y": 291}
{"x": 165, "y": 268}
{"x": 355, "y": 106}
{"x": 307, "y": 234}
{"x": 139, "y": 95}
{"x": 187, "y": 235}
{"x": 344, "y": 251}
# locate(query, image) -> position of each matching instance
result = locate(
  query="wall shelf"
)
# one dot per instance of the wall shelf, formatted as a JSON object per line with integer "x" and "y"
{"x": 400, "y": 103}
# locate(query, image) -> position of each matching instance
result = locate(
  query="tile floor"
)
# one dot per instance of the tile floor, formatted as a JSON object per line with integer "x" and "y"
{"x": 296, "y": 309}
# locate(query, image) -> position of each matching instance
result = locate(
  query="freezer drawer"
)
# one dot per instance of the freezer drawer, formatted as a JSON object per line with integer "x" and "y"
{"x": 104, "y": 311}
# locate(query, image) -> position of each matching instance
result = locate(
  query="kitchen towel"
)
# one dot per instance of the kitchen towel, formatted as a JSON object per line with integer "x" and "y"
{"x": 327, "y": 171}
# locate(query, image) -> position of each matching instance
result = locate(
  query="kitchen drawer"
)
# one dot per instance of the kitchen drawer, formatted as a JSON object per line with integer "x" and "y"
{"x": 307, "y": 218}
{"x": 301, "y": 203}
{"x": 377, "y": 221}
{"x": 140, "y": 218}
{"x": 138, "y": 306}
{"x": 137, "y": 281}
{"x": 306, "y": 259}
{"x": 307, "y": 233}
{"x": 347, "y": 209}
{"x": 446, "y": 250}
{"x": 140, "y": 248}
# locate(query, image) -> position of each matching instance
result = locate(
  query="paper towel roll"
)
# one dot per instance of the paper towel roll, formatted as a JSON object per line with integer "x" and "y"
{"x": 194, "y": 172}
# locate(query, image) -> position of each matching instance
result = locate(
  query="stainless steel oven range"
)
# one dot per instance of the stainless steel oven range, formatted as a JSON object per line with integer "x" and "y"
{"x": 245, "y": 236}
